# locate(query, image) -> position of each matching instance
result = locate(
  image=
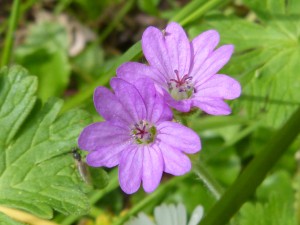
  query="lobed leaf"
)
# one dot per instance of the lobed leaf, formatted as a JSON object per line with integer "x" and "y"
{"x": 38, "y": 173}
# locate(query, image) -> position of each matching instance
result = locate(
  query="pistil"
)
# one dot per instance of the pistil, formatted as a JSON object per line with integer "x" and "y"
{"x": 143, "y": 132}
{"x": 181, "y": 88}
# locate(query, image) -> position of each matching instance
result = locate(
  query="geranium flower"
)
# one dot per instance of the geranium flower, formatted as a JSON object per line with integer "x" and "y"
{"x": 138, "y": 135}
{"x": 186, "y": 72}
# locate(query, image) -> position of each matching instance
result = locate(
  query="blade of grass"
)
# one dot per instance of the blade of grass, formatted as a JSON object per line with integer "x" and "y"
{"x": 9, "y": 39}
{"x": 254, "y": 173}
{"x": 23, "y": 8}
{"x": 196, "y": 10}
{"x": 117, "y": 18}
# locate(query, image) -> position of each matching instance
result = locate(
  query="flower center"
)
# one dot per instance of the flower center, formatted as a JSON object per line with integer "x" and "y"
{"x": 181, "y": 88}
{"x": 143, "y": 132}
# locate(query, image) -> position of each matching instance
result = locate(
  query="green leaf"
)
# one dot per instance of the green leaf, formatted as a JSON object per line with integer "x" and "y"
{"x": 293, "y": 7}
{"x": 276, "y": 212}
{"x": 38, "y": 173}
{"x": 149, "y": 6}
{"x": 44, "y": 54}
{"x": 266, "y": 8}
{"x": 89, "y": 62}
{"x": 266, "y": 63}
{"x": 16, "y": 90}
{"x": 99, "y": 176}
{"x": 276, "y": 184}
{"x": 5, "y": 220}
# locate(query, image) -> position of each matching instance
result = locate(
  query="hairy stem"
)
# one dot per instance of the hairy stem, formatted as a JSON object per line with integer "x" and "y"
{"x": 211, "y": 184}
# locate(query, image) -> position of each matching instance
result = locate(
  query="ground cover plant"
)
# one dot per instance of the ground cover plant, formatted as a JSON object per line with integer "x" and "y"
{"x": 150, "y": 112}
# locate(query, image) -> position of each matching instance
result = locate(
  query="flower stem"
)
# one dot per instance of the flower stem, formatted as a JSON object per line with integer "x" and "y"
{"x": 9, "y": 39}
{"x": 254, "y": 173}
{"x": 212, "y": 185}
{"x": 161, "y": 190}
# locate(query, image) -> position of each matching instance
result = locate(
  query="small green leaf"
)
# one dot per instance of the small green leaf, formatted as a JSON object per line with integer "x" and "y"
{"x": 149, "y": 6}
{"x": 44, "y": 54}
{"x": 89, "y": 62}
{"x": 38, "y": 173}
{"x": 99, "y": 176}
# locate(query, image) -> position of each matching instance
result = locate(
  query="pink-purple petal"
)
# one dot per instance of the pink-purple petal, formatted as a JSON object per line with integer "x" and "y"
{"x": 215, "y": 61}
{"x": 213, "y": 106}
{"x": 130, "y": 98}
{"x": 219, "y": 86}
{"x": 155, "y": 105}
{"x": 131, "y": 170}
{"x": 176, "y": 163}
{"x": 109, "y": 107}
{"x": 179, "y": 137}
{"x": 108, "y": 156}
{"x": 102, "y": 134}
{"x": 167, "y": 114}
{"x": 202, "y": 47}
{"x": 153, "y": 166}
{"x": 155, "y": 51}
{"x": 132, "y": 71}
{"x": 178, "y": 48}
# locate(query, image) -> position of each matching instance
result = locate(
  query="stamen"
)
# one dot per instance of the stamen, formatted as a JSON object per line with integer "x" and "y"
{"x": 181, "y": 88}
{"x": 143, "y": 133}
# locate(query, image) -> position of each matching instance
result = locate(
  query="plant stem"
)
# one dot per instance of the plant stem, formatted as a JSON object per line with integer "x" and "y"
{"x": 9, "y": 39}
{"x": 161, "y": 190}
{"x": 212, "y": 185}
{"x": 254, "y": 173}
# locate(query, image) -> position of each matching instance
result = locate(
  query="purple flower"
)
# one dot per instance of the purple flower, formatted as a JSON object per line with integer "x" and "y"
{"x": 138, "y": 135}
{"x": 186, "y": 72}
